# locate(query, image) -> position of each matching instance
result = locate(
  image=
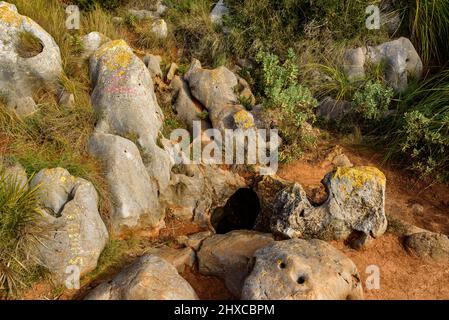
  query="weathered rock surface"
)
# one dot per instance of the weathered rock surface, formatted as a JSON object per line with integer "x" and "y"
{"x": 356, "y": 202}
{"x": 195, "y": 191}
{"x": 194, "y": 241}
{"x": 159, "y": 28}
{"x": 228, "y": 255}
{"x": 215, "y": 90}
{"x": 429, "y": 245}
{"x": 92, "y": 42}
{"x": 22, "y": 73}
{"x": 133, "y": 192}
{"x": 179, "y": 258}
{"x": 15, "y": 173}
{"x": 217, "y": 13}
{"x": 333, "y": 110}
{"x": 149, "y": 278}
{"x": 77, "y": 234}
{"x": 403, "y": 62}
{"x": 153, "y": 64}
{"x": 124, "y": 96}
{"x": 156, "y": 11}
{"x": 302, "y": 270}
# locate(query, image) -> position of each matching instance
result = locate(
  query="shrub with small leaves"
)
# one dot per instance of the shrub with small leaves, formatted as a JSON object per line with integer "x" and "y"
{"x": 373, "y": 100}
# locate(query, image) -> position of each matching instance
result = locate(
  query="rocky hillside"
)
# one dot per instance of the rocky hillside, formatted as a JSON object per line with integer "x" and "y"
{"x": 102, "y": 196}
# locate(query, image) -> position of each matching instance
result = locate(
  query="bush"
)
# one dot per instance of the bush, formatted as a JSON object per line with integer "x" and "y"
{"x": 294, "y": 103}
{"x": 19, "y": 233}
{"x": 373, "y": 100}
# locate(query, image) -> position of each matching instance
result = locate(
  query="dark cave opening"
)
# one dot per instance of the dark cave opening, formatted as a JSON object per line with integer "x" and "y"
{"x": 239, "y": 213}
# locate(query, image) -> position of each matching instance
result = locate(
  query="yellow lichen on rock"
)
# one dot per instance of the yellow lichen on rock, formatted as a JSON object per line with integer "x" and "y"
{"x": 117, "y": 55}
{"x": 9, "y": 16}
{"x": 243, "y": 119}
{"x": 359, "y": 176}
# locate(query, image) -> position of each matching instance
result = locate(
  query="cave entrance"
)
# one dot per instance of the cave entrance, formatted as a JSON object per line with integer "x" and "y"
{"x": 240, "y": 212}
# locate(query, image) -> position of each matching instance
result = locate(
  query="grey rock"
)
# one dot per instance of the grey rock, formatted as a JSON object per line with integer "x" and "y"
{"x": 92, "y": 42}
{"x": 16, "y": 174}
{"x": 156, "y": 11}
{"x": 196, "y": 190}
{"x": 67, "y": 100}
{"x": 194, "y": 241}
{"x": 302, "y": 270}
{"x": 180, "y": 258}
{"x": 356, "y": 202}
{"x": 159, "y": 28}
{"x": 133, "y": 191}
{"x": 217, "y": 13}
{"x": 403, "y": 62}
{"x": 153, "y": 64}
{"x": 429, "y": 245}
{"x": 76, "y": 233}
{"x": 149, "y": 278}
{"x": 22, "y": 74}
{"x": 228, "y": 255}
{"x": 171, "y": 72}
{"x": 342, "y": 160}
{"x": 333, "y": 110}
{"x": 124, "y": 97}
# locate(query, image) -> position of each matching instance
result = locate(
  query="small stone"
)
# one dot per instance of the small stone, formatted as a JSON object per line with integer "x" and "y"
{"x": 159, "y": 28}
{"x": 67, "y": 100}
{"x": 153, "y": 64}
{"x": 342, "y": 161}
{"x": 171, "y": 72}
{"x": 417, "y": 209}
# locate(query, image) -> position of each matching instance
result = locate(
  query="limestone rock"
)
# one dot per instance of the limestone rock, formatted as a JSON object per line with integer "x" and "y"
{"x": 194, "y": 241}
{"x": 356, "y": 202}
{"x": 217, "y": 13}
{"x": 67, "y": 100}
{"x": 403, "y": 62}
{"x": 159, "y": 28}
{"x": 77, "y": 234}
{"x": 153, "y": 64}
{"x": 171, "y": 72}
{"x": 149, "y": 278}
{"x": 333, "y": 110}
{"x": 133, "y": 191}
{"x": 302, "y": 270}
{"x": 92, "y": 42}
{"x": 15, "y": 173}
{"x": 124, "y": 96}
{"x": 196, "y": 190}
{"x": 429, "y": 245}
{"x": 228, "y": 255}
{"x": 180, "y": 258}
{"x": 22, "y": 71}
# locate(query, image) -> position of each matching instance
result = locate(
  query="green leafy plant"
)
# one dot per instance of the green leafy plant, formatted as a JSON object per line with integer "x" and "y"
{"x": 19, "y": 233}
{"x": 373, "y": 100}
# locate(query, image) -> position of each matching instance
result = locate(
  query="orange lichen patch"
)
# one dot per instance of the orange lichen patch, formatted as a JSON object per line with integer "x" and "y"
{"x": 9, "y": 16}
{"x": 359, "y": 176}
{"x": 117, "y": 56}
{"x": 244, "y": 119}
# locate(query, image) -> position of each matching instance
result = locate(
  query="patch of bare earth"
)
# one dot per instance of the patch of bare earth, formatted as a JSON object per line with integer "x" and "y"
{"x": 402, "y": 276}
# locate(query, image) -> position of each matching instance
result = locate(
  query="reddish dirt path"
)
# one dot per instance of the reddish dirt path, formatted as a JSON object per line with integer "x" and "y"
{"x": 402, "y": 275}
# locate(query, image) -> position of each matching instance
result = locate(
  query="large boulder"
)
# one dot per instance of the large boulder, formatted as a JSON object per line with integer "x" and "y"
{"x": 355, "y": 204}
{"x": 302, "y": 270}
{"x": 25, "y": 69}
{"x": 402, "y": 62}
{"x": 215, "y": 89}
{"x": 133, "y": 192}
{"x": 124, "y": 97}
{"x": 196, "y": 190}
{"x": 429, "y": 245}
{"x": 77, "y": 234}
{"x": 149, "y": 278}
{"x": 228, "y": 255}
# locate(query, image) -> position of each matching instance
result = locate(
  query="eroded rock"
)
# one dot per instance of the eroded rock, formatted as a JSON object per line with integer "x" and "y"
{"x": 302, "y": 270}
{"x": 429, "y": 245}
{"x": 149, "y": 278}
{"x": 76, "y": 233}
{"x": 228, "y": 255}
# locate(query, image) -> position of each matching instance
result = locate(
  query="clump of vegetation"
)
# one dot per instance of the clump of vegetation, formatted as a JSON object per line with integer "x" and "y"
{"x": 20, "y": 232}
{"x": 293, "y": 102}
{"x": 373, "y": 100}
{"x": 106, "y": 4}
{"x": 28, "y": 45}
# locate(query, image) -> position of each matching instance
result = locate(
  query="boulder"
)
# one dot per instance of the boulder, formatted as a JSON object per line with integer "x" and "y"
{"x": 215, "y": 89}
{"x": 179, "y": 258}
{"x": 124, "y": 97}
{"x": 302, "y": 270}
{"x": 76, "y": 233}
{"x": 218, "y": 11}
{"x": 149, "y": 278}
{"x": 132, "y": 190}
{"x": 429, "y": 245}
{"x": 153, "y": 64}
{"x": 356, "y": 203}
{"x": 25, "y": 69}
{"x": 228, "y": 255}
{"x": 402, "y": 62}
{"x": 196, "y": 190}
{"x": 92, "y": 42}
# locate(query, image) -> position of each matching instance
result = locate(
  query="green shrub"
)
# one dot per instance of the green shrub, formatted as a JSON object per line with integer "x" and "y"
{"x": 373, "y": 100}
{"x": 294, "y": 104}
{"x": 19, "y": 233}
